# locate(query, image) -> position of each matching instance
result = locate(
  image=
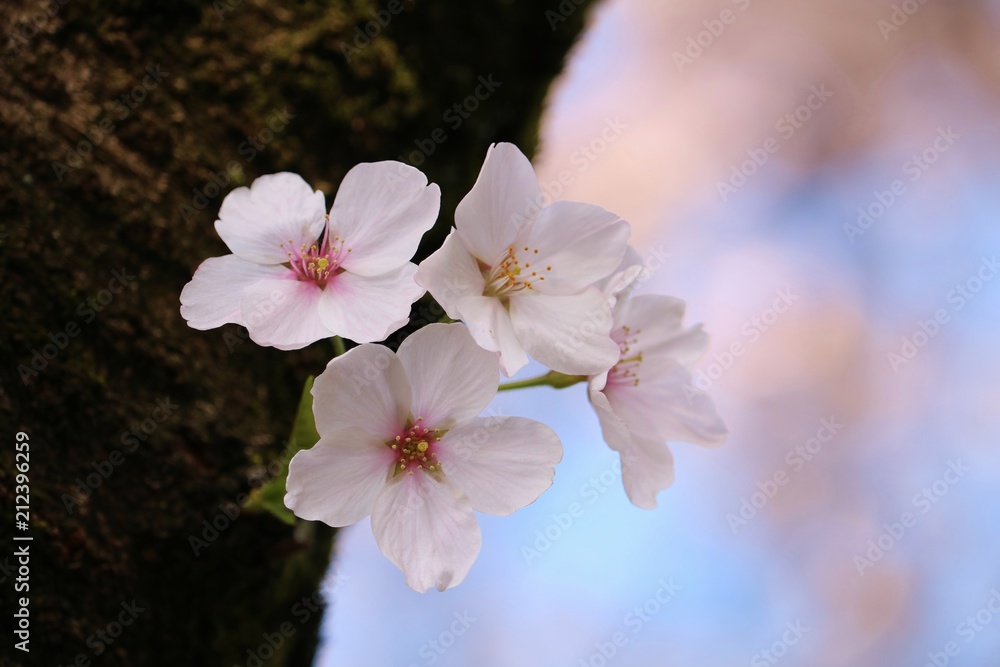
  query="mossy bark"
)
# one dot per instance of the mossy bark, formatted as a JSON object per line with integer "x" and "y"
{"x": 94, "y": 186}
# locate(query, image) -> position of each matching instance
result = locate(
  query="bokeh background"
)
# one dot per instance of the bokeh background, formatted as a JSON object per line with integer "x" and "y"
{"x": 654, "y": 136}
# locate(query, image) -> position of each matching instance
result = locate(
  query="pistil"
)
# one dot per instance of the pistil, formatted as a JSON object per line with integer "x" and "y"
{"x": 319, "y": 262}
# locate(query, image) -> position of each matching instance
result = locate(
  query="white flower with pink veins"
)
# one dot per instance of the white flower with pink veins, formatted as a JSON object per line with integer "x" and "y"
{"x": 297, "y": 275}
{"x": 401, "y": 440}
{"x": 647, "y": 398}
{"x": 522, "y": 275}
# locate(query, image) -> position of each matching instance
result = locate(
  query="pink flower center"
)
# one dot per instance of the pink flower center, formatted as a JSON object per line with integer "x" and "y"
{"x": 509, "y": 275}
{"x": 416, "y": 447}
{"x": 626, "y": 370}
{"x": 319, "y": 262}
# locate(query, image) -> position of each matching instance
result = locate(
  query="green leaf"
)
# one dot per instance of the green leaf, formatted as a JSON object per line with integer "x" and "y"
{"x": 271, "y": 496}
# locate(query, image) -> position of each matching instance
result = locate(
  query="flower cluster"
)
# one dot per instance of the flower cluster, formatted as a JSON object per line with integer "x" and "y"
{"x": 401, "y": 436}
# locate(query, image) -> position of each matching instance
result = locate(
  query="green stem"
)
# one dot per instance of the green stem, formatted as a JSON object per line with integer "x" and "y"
{"x": 550, "y": 379}
{"x": 540, "y": 381}
{"x": 338, "y": 346}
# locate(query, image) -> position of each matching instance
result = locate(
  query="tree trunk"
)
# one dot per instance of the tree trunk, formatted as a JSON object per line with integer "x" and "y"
{"x": 124, "y": 124}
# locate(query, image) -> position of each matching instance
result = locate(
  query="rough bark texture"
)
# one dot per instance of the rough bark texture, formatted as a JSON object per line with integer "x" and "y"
{"x": 92, "y": 184}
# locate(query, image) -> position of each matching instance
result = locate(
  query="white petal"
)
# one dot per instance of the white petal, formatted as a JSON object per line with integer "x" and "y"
{"x": 686, "y": 346}
{"x": 381, "y": 210}
{"x": 667, "y": 407}
{"x": 647, "y": 465}
{"x": 365, "y": 389}
{"x": 569, "y": 334}
{"x": 451, "y": 273}
{"x": 598, "y": 381}
{"x": 582, "y": 244}
{"x": 614, "y": 430}
{"x": 453, "y": 379}
{"x": 336, "y": 481}
{"x": 654, "y": 311}
{"x": 647, "y": 469}
{"x": 502, "y": 463}
{"x": 629, "y": 270}
{"x": 655, "y": 323}
{"x": 276, "y": 209}
{"x": 369, "y": 309}
{"x": 283, "y": 313}
{"x": 619, "y": 285}
{"x": 212, "y": 298}
{"x": 491, "y": 327}
{"x": 506, "y": 195}
{"x": 427, "y": 529}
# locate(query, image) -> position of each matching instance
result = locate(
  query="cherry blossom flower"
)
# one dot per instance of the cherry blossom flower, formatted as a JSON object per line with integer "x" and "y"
{"x": 297, "y": 275}
{"x": 648, "y": 398}
{"x": 401, "y": 440}
{"x": 521, "y": 275}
